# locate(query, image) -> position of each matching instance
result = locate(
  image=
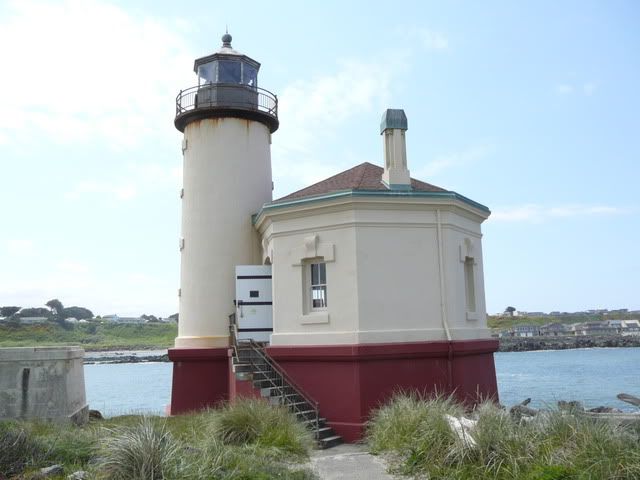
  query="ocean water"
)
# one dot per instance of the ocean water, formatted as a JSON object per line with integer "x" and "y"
{"x": 593, "y": 376}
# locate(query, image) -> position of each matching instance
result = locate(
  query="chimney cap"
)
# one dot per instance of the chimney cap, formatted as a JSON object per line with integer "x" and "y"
{"x": 393, "y": 118}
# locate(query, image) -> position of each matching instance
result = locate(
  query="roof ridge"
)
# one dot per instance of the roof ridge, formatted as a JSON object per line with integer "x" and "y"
{"x": 365, "y": 176}
{"x": 363, "y": 169}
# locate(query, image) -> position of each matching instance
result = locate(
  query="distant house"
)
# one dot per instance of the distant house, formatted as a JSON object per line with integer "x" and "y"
{"x": 630, "y": 327}
{"x": 33, "y": 320}
{"x": 117, "y": 319}
{"x": 594, "y": 328}
{"x": 554, "y": 329}
{"x": 525, "y": 330}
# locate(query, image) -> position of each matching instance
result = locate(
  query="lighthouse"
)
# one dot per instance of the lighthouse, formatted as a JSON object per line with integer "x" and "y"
{"x": 227, "y": 122}
{"x": 336, "y": 295}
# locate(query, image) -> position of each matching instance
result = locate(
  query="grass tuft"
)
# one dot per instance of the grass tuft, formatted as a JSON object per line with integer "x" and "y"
{"x": 255, "y": 422}
{"x": 146, "y": 451}
{"x": 18, "y": 450}
{"x": 554, "y": 445}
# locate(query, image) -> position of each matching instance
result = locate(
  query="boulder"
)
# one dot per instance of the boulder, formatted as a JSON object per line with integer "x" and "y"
{"x": 51, "y": 471}
{"x": 79, "y": 475}
{"x": 95, "y": 415}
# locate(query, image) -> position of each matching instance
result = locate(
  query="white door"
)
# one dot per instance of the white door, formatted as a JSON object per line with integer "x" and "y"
{"x": 254, "y": 314}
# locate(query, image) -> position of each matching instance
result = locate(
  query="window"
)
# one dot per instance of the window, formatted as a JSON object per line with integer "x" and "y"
{"x": 318, "y": 286}
{"x": 228, "y": 72}
{"x": 207, "y": 73}
{"x": 469, "y": 284}
{"x": 249, "y": 75}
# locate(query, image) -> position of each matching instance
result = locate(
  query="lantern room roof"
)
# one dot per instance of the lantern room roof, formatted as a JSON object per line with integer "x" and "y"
{"x": 226, "y": 52}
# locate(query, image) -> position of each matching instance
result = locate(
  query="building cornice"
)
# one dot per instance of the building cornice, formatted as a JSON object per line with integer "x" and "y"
{"x": 391, "y": 197}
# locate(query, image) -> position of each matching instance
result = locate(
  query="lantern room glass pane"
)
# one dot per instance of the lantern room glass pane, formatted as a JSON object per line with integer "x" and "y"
{"x": 249, "y": 75}
{"x": 228, "y": 72}
{"x": 207, "y": 73}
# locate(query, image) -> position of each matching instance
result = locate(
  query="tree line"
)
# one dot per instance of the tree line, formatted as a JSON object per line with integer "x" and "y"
{"x": 56, "y": 311}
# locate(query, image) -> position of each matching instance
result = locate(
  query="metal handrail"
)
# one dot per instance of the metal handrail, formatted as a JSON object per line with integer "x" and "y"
{"x": 284, "y": 379}
{"x": 263, "y": 100}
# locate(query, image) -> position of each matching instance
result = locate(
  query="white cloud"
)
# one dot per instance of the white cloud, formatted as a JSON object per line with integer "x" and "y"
{"x": 72, "y": 267}
{"x": 564, "y": 89}
{"x": 79, "y": 70}
{"x": 539, "y": 213}
{"x": 20, "y": 246}
{"x": 136, "y": 180}
{"x": 433, "y": 40}
{"x": 312, "y": 111}
{"x": 587, "y": 88}
{"x": 425, "y": 38}
{"x": 464, "y": 157}
{"x": 75, "y": 283}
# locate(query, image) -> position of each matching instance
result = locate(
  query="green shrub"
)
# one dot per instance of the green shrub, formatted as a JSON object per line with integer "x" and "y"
{"x": 214, "y": 460}
{"x": 502, "y": 445}
{"x": 143, "y": 452}
{"x": 552, "y": 472}
{"x": 415, "y": 429}
{"x": 553, "y": 445}
{"x": 18, "y": 450}
{"x": 70, "y": 445}
{"x": 255, "y": 422}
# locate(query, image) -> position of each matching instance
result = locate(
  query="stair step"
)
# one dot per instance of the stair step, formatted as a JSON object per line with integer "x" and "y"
{"x": 265, "y": 383}
{"x": 324, "y": 432}
{"x": 293, "y": 399}
{"x": 249, "y": 364}
{"x": 262, "y": 374}
{"x": 311, "y": 421}
{"x": 242, "y": 367}
{"x": 330, "y": 442}
{"x": 307, "y": 414}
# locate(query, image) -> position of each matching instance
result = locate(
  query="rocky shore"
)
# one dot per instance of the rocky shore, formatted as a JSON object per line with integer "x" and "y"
{"x": 123, "y": 357}
{"x": 525, "y": 344}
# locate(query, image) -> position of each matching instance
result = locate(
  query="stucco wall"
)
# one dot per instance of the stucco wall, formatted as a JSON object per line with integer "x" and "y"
{"x": 287, "y": 246}
{"x": 462, "y": 237}
{"x": 384, "y": 280}
{"x": 226, "y": 179}
{"x": 42, "y": 382}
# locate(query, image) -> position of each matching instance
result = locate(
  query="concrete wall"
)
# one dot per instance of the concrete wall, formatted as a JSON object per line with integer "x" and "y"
{"x": 42, "y": 382}
{"x": 396, "y": 272}
{"x": 226, "y": 179}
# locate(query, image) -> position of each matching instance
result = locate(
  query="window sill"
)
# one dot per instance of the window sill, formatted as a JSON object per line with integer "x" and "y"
{"x": 473, "y": 316}
{"x": 314, "y": 318}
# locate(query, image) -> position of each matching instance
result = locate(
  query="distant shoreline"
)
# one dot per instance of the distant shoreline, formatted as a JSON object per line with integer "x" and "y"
{"x": 507, "y": 344}
{"x": 528, "y": 344}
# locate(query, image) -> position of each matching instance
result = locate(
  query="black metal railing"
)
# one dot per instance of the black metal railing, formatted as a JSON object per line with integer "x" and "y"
{"x": 276, "y": 378}
{"x": 227, "y": 95}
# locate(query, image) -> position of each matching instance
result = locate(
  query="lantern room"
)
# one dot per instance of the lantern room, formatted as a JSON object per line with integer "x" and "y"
{"x": 227, "y": 87}
{"x": 227, "y": 66}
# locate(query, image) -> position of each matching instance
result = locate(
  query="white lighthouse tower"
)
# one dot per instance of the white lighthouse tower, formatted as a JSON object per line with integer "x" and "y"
{"x": 227, "y": 123}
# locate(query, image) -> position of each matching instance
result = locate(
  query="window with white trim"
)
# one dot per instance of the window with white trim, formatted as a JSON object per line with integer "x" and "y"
{"x": 318, "y": 286}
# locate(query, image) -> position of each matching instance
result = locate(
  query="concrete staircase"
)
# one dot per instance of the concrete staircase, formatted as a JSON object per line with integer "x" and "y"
{"x": 252, "y": 363}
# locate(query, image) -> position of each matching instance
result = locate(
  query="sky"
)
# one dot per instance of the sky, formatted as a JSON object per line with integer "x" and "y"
{"x": 530, "y": 108}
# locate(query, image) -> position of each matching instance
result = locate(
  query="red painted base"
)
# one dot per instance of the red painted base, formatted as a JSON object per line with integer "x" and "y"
{"x": 200, "y": 378}
{"x": 349, "y": 381}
